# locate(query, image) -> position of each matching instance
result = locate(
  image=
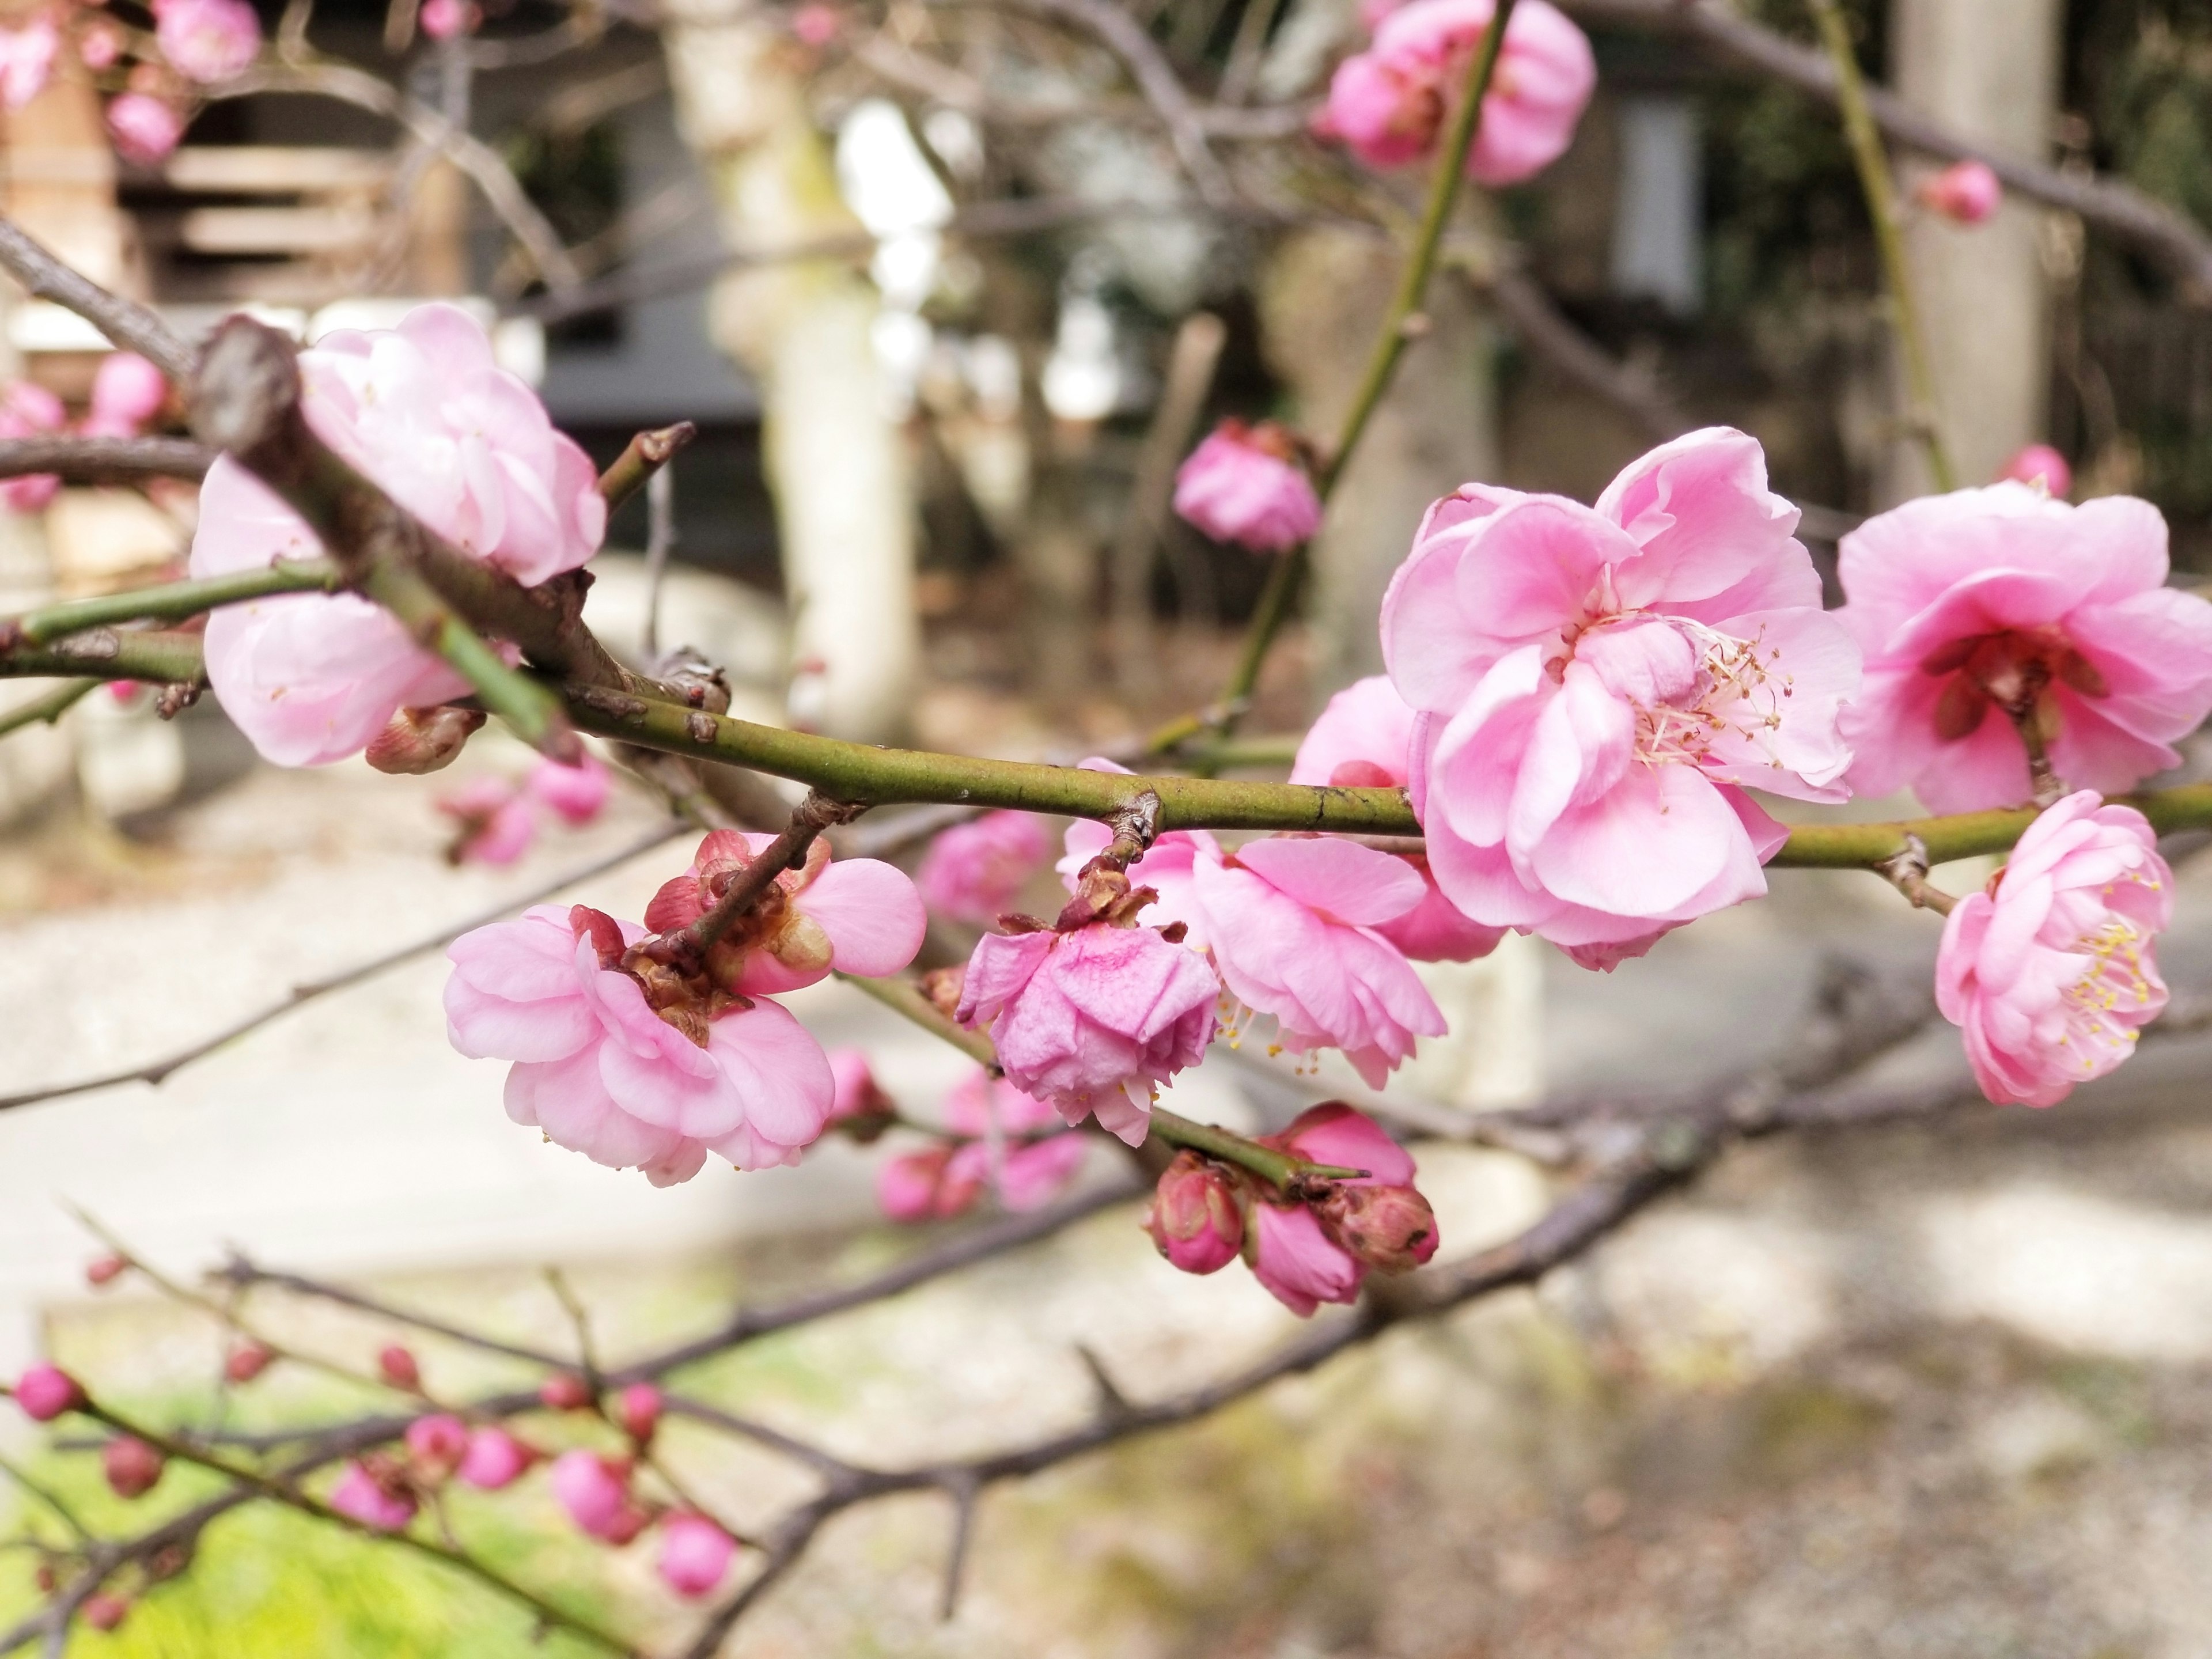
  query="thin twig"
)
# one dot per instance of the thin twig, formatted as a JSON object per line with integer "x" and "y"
{"x": 105, "y": 460}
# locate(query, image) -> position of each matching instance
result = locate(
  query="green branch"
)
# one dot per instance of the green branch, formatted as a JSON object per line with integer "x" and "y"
{"x": 108, "y": 653}
{"x": 172, "y": 601}
{"x": 48, "y": 709}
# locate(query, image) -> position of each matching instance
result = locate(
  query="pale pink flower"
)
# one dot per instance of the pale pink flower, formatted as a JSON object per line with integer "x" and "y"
{"x": 101, "y": 46}
{"x": 573, "y": 792}
{"x": 854, "y": 915}
{"x": 601, "y": 1073}
{"x": 45, "y": 1391}
{"x": 206, "y": 40}
{"x": 1244, "y": 484}
{"x": 442, "y": 19}
{"x": 127, "y": 391}
{"x": 1598, "y": 685}
{"x": 2052, "y": 972}
{"x": 980, "y": 1104}
{"x": 1392, "y": 102}
{"x": 695, "y": 1553}
{"x": 1093, "y": 1019}
{"x": 144, "y": 128}
{"x": 1966, "y": 192}
{"x": 924, "y": 1186}
{"x": 1013, "y": 1144}
{"x": 496, "y": 826}
{"x": 495, "y": 1459}
{"x": 28, "y": 409}
{"x": 974, "y": 870}
{"x": 2004, "y": 595}
{"x": 1196, "y": 1219}
{"x": 26, "y": 60}
{"x": 381, "y": 1505}
{"x": 595, "y": 1491}
{"x": 2040, "y": 465}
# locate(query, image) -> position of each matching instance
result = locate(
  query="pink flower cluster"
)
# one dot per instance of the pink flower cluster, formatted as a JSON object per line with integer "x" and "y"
{"x": 424, "y": 411}
{"x": 128, "y": 393}
{"x": 496, "y": 819}
{"x": 998, "y": 1137}
{"x": 1246, "y": 485}
{"x": 974, "y": 871}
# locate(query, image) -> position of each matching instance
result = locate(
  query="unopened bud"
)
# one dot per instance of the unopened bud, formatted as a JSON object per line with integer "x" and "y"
{"x": 43, "y": 1578}
{"x": 246, "y": 1361}
{"x": 103, "y": 1611}
{"x": 1196, "y": 1219}
{"x": 398, "y": 1367}
{"x": 168, "y": 1561}
{"x": 637, "y": 1408}
{"x": 496, "y": 1459}
{"x": 435, "y": 1446}
{"x": 103, "y": 1269}
{"x": 44, "y": 1391}
{"x": 133, "y": 1468}
{"x": 418, "y": 740}
{"x": 564, "y": 1391}
{"x": 1391, "y": 1228}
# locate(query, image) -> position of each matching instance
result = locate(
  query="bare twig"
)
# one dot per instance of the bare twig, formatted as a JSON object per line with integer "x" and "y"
{"x": 104, "y": 461}
{"x": 126, "y": 322}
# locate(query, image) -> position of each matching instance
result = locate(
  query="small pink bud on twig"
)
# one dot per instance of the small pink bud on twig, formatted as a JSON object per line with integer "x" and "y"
{"x": 435, "y": 1446}
{"x": 375, "y": 1497}
{"x": 1966, "y": 193}
{"x": 246, "y": 1361}
{"x": 46, "y": 1391}
{"x": 398, "y": 1367}
{"x": 102, "y": 1270}
{"x": 695, "y": 1553}
{"x": 1196, "y": 1219}
{"x": 418, "y": 740}
{"x": 564, "y": 1391}
{"x": 637, "y": 1408}
{"x": 595, "y": 1490}
{"x": 495, "y": 1459}
{"x": 133, "y": 1468}
{"x": 1391, "y": 1228}
{"x": 105, "y": 1612}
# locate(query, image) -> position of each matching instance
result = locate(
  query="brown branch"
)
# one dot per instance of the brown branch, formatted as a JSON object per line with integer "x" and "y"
{"x": 126, "y": 322}
{"x": 104, "y": 461}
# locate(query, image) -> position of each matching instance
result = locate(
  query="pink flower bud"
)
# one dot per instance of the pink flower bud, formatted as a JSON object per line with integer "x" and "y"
{"x": 442, "y": 19}
{"x": 44, "y": 1391}
{"x": 26, "y": 59}
{"x": 695, "y": 1553}
{"x": 2040, "y": 464}
{"x": 573, "y": 792}
{"x": 927, "y": 1186}
{"x": 1296, "y": 1260}
{"x": 128, "y": 391}
{"x": 436, "y": 1445}
{"x": 1389, "y": 1228}
{"x": 246, "y": 1361}
{"x": 378, "y": 1500}
{"x": 1245, "y": 484}
{"x": 564, "y": 1391}
{"x": 495, "y": 1459}
{"x": 1196, "y": 1219}
{"x": 1966, "y": 193}
{"x": 495, "y": 823}
{"x": 415, "y": 741}
{"x": 105, "y": 1612}
{"x": 101, "y": 46}
{"x": 26, "y": 410}
{"x": 637, "y": 1408}
{"x": 102, "y": 1270}
{"x": 815, "y": 23}
{"x": 974, "y": 871}
{"x": 145, "y": 129}
{"x": 131, "y": 1466}
{"x": 595, "y": 1490}
{"x": 395, "y": 1364}
{"x": 862, "y": 1109}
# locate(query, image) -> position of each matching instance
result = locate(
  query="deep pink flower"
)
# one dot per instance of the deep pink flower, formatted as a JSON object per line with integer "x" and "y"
{"x": 2004, "y": 595}
{"x": 436, "y": 1445}
{"x": 442, "y": 19}
{"x": 2040, "y": 464}
{"x": 1245, "y": 484}
{"x": 1093, "y": 1019}
{"x": 1599, "y": 684}
{"x": 144, "y": 128}
{"x": 601, "y": 1073}
{"x": 1966, "y": 192}
{"x": 1196, "y": 1219}
{"x": 1310, "y": 1254}
{"x": 206, "y": 40}
{"x": 1392, "y": 102}
{"x": 974, "y": 870}
{"x": 28, "y": 409}
{"x": 1300, "y": 1266}
{"x": 495, "y": 1459}
{"x": 595, "y": 1490}
{"x": 573, "y": 792}
{"x": 382, "y": 1505}
{"x": 695, "y": 1553}
{"x": 495, "y": 818}
{"x": 127, "y": 390}
{"x": 2051, "y": 972}
{"x": 26, "y": 60}
{"x": 44, "y": 1392}
{"x": 637, "y": 1409}
{"x": 857, "y": 915}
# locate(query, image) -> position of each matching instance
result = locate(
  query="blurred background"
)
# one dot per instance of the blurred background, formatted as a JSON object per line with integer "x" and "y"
{"x": 933, "y": 285}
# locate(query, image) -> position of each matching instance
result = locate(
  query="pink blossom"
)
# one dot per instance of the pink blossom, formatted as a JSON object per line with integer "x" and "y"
{"x": 26, "y": 410}
{"x": 496, "y": 827}
{"x": 145, "y": 128}
{"x": 637, "y": 1409}
{"x": 127, "y": 390}
{"x": 206, "y": 40}
{"x": 1392, "y": 102}
{"x": 573, "y": 792}
{"x": 595, "y": 1491}
{"x": 976, "y": 870}
{"x": 1093, "y": 1019}
{"x": 2039, "y": 464}
{"x": 1966, "y": 192}
{"x": 857, "y": 1093}
{"x": 26, "y": 60}
{"x": 695, "y": 1553}
{"x": 855, "y": 916}
{"x": 495, "y": 1459}
{"x": 980, "y": 1104}
{"x": 924, "y": 1186}
{"x": 2005, "y": 596}
{"x": 1012, "y": 1143}
{"x": 1310, "y": 1254}
{"x": 442, "y": 19}
{"x": 437, "y": 1444}
{"x": 2051, "y": 972}
{"x": 101, "y": 46}
{"x": 381, "y": 1505}
{"x": 44, "y": 1391}
{"x": 815, "y": 23}
{"x": 1196, "y": 1219}
{"x": 1597, "y": 686}
{"x": 1027, "y": 1174}
{"x": 133, "y": 1469}
{"x": 1299, "y": 1264}
{"x": 425, "y": 412}
{"x": 1244, "y": 484}
{"x": 601, "y": 1072}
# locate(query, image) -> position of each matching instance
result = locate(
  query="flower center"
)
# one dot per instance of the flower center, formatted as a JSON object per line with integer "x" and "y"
{"x": 2016, "y": 670}
{"x": 2114, "y": 980}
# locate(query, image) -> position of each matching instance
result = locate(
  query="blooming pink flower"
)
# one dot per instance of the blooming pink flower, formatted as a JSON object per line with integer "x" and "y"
{"x": 2051, "y": 972}
{"x": 1392, "y": 102}
{"x": 2003, "y": 595}
{"x": 595, "y": 1490}
{"x": 436, "y": 1445}
{"x": 1196, "y": 1219}
{"x": 1018, "y": 1146}
{"x": 602, "y": 1073}
{"x": 133, "y": 1469}
{"x": 44, "y": 1391}
{"x": 101, "y": 46}
{"x": 2039, "y": 464}
{"x": 1300, "y": 1266}
{"x": 145, "y": 128}
{"x": 857, "y": 915}
{"x": 573, "y": 792}
{"x": 26, "y": 410}
{"x": 924, "y": 1186}
{"x": 495, "y": 823}
{"x": 382, "y": 1505}
{"x": 1244, "y": 484}
{"x": 127, "y": 390}
{"x": 980, "y": 1104}
{"x": 1966, "y": 192}
{"x": 695, "y": 1553}
{"x": 495, "y": 1459}
{"x": 442, "y": 19}
{"x": 974, "y": 871}
{"x": 425, "y": 412}
{"x": 26, "y": 60}
{"x": 1310, "y": 1254}
{"x": 206, "y": 40}
{"x": 1598, "y": 685}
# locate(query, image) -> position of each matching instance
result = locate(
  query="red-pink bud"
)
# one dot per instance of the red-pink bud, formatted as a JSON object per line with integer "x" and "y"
{"x": 103, "y": 1611}
{"x": 1388, "y": 1228}
{"x": 2041, "y": 464}
{"x": 496, "y": 1459}
{"x": 1967, "y": 193}
{"x": 564, "y": 1391}
{"x": 132, "y": 1466}
{"x": 246, "y": 1361}
{"x": 44, "y": 1391}
{"x": 102, "y": 1270}
{"x": 377, "y": 1498}
{"x": 1196, "y": 1219}
{"x": 695, "y": 1553}
{"x": 418, "y": 740}
{"x": 398, "y": 1367}
{"x": 637, "y": 1408}
{"x": 435, "y": 1445}
{"x": 595, "y": 1490}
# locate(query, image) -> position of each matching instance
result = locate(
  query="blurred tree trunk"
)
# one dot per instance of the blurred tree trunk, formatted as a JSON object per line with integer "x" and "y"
{"x": 835, "y": 462}
{"x": 1989, "y": 69}
{"x": 1320, "y": 305}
